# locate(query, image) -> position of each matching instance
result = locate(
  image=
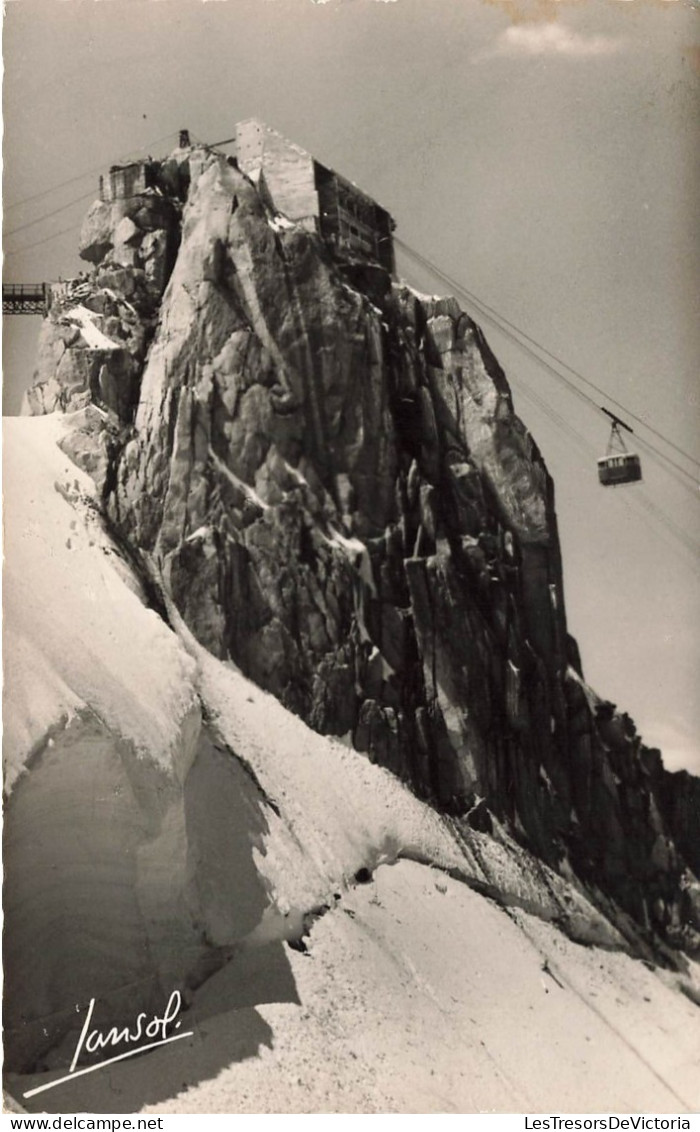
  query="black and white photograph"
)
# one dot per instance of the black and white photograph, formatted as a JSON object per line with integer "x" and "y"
{"x": 351, "y": 583}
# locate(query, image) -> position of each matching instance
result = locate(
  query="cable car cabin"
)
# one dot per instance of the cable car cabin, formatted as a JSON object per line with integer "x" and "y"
{"x": 620, "y": 467}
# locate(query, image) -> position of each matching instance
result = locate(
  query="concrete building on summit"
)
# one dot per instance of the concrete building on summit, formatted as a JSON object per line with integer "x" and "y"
{"x": 312, "y": 195}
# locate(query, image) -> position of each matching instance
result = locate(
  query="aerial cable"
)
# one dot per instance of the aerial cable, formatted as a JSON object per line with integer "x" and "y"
{"x": 690, "y": 485}
{"x": 54, "y": 188}
{"x": 628, "y": 412}
{"x": 495, "y": 319}
{"x": 48, "y": 215}
{"x": 61, "y": 208}
{"x": 634, "y": 505}
{"x": 45, "y": 240}
{"x": 672, "y": 526}
{"x": 144, "y": 148}
{"x": 658, "y": 456}
{"x": 87, "y": 173}
{"x": 661, "y": 517}
{"x": 670, "y": 466}
{"x": 502, "y": 319}
{"x": 554, "y": 416}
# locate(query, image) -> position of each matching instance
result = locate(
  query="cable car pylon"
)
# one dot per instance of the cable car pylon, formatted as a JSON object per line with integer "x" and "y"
{"x": 618, "y": 466}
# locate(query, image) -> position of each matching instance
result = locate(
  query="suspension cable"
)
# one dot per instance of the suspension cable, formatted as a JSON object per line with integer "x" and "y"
{"x": 507, "y": 328}
{"x": 504, "y": 322}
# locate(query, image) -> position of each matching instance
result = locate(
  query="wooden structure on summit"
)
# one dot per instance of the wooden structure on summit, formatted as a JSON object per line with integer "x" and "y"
{"x": 315, "y": 196}
{"x": 124, "y": 181}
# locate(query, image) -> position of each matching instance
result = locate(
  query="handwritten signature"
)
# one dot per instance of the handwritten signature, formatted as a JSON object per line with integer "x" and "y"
{"x": 94, "y": 1041}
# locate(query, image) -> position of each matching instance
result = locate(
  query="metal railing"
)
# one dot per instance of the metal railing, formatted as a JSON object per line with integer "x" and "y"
{"x": 25, "y": 298}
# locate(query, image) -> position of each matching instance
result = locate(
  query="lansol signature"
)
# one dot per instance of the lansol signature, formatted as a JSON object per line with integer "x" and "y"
{"x": 158, "y": 1029}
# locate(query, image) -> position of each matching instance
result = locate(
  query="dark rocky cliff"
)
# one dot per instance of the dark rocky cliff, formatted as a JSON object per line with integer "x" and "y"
{"x": 324, "y": 471}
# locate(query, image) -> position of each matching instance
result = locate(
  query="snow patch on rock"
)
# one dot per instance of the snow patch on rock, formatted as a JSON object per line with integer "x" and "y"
{"x": 94, "y": 337}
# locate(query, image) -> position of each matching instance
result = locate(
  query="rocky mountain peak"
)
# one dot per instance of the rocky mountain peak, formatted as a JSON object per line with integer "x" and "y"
{"x": 323, "y": 473}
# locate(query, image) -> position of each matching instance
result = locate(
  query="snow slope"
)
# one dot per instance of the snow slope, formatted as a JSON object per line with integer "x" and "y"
{"x": 76, "y": 632}
{"x": 416, "y": 993}
{"x": 421, "y": 996}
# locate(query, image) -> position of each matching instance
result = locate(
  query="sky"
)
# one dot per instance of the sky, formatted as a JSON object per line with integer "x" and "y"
{"x": 544, "y": 155}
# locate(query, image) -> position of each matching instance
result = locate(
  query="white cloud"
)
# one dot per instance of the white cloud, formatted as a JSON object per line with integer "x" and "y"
{"x": 548, "y": 39}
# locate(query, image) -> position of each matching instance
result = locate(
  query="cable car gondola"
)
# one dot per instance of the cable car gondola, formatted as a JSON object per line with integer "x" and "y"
{"x": 618, "y": 466}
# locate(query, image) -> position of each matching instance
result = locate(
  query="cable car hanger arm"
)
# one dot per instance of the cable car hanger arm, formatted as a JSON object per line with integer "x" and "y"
{"x": 615, "y": 420}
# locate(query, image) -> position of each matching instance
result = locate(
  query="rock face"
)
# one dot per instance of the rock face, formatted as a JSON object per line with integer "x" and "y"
{"x": 324, "y": 472}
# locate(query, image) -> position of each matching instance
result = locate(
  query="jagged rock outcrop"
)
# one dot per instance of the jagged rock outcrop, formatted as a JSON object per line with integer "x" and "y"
{"x": 325, "y": 473}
